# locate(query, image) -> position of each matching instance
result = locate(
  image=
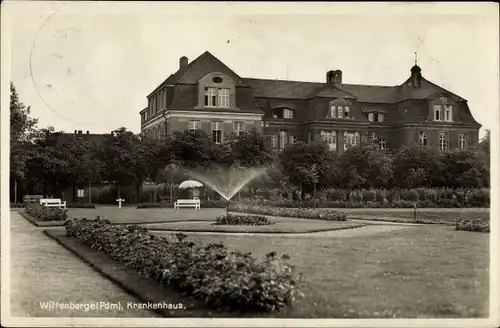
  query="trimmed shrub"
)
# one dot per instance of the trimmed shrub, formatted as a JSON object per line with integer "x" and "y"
{"x": 232, "y": 219}
{"x": 46, "y": 213}
{"x": 473, "y": 225}
{"x": 307, "y": 213}
{"x": 224, "y": 280}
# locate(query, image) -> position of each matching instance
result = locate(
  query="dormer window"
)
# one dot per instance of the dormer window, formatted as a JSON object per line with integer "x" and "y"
{"x": 338, "y": 109}
{"x": 217, "y": 97}
{"x": 371, "y": 117}
{"x": 447, "y": 113}
{"x": 287, "y": 113}
{"x": 375, "y": 117}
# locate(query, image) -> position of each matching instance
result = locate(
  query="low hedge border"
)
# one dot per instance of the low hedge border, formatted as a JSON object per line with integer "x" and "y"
{"x": 225, "y": 280}
{"x": 300, "y": 213}
{"x": 40, "y": 223}
{"x": 472, "y": 225}
{"x": 238, "y": 219}
{"x": 145, "y": 289}
{"x": 43, "y": 213}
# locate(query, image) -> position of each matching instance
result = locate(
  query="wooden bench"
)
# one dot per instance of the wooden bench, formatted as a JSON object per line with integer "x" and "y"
{"x": 53, "y": 202}
{"x": 187, "y": 203}
{"x": 32, "y": 198}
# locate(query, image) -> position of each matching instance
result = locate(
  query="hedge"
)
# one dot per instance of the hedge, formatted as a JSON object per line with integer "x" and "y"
{"x": 46, "y": 213}
{"x": 225, "y": 280}
{"x": 473, "y": 225}
{"x": 232, "y": 219}
{"x": 306, "y": 213}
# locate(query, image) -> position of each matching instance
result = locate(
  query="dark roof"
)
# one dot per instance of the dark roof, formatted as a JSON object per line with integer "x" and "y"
{"x": 372, "y": 93}
{"x": 426, "y": 90}
{"x": 198, "y": 68}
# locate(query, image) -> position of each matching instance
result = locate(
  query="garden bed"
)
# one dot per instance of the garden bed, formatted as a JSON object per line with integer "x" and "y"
{"x": 224, "y": 280}
{"x": 473, "y": 225}
{"x": 290, "y": 212}
{"x": 235, "y": 219}
{"x": 40, "y": 223}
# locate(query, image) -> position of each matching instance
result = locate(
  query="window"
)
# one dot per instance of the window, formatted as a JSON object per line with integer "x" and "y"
{"x": 309, "y": 136}
{"x": 380, "y": 117}
{"x": 422, "y": 140}
{"x": 346, "y": 111}
{"x": 292, "y": 139}
{"x": 193, "y": 125}
{"x": 340, "y": 112}
{"x": 351, "y": 138}
{"x": 223, "y": 98}
{"x": 287, "y": 113}
{"x": 448, "y": 113}
{"x": 330, "y": 137}
{"x": 437, "y": 113}
{"x": 333, "y": 109}
{"x": 210, "y": 97}
{"x": 371, "y": 117}
{"x": 462, "y": 140}
{"x": 443, "y": 141}
{"x": 282, "y": 139}
{"x": 274, "y": 141}
{"x": 217, "y": 131}
{"x": 382, "y": 143}
{"x": 239, "y": 127}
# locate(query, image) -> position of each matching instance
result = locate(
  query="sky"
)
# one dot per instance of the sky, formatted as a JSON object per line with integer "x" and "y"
{"x": 90, "y": 65}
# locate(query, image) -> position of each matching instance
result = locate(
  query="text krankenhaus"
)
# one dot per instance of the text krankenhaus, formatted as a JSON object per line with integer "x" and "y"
{"x": 96, "y": 306}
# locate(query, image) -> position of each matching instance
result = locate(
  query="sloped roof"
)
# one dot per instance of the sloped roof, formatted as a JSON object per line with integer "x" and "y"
{"x": 372, "y": 93}
{"x": 426, "y": 90}
{"x": 330, "y": 91}
{"x": 265, "y": 88}
{"x": 198, "y": 68}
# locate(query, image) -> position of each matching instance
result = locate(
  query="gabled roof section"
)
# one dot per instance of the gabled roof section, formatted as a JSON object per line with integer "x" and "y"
{"x": 198, "y": 68}
{"x": 203, "y": 65}
{"x": 427, "y": 89}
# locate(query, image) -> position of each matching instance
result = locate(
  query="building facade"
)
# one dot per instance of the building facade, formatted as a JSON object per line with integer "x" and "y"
{"x": 206, "y": 94}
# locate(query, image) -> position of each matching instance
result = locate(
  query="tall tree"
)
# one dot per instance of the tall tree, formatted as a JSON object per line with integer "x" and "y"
{"x": 22, "y": 129}
{"x": 250, "y": 149}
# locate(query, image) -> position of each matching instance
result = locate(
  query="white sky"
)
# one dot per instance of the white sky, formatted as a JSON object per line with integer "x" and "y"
{"x": 92, "y": 64}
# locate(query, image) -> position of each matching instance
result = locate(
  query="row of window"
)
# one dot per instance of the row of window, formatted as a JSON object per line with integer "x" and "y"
{"x": 350, "y": 139}
{"x": 283, "y": 139}
{"x": 157, "y": 102}
{"x": 217, "y": 97}
{"x": 443, "y": 113}
{"x": 238, "y": 128}
{"x": 338, "y": 111}
{"x": 443, "y": 140}
{"x": 155, "y": 132}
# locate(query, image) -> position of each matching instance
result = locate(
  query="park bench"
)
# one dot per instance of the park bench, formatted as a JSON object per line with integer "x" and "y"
{"x": 53, "y": 202}
{"x": 188, "y": 203}
{"x": 32, "y": 198}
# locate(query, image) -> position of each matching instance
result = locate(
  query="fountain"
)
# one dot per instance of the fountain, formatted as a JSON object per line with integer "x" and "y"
{"x": 226, "y": 182}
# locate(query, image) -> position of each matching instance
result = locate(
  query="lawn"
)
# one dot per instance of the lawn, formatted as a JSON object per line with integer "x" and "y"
{"x": 418, "y": 272}
{"x": 132, "y": 215}
{"x": 281, "y": 225}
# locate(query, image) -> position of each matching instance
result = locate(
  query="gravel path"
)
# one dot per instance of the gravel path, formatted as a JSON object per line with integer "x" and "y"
{"x": 44, "y": 271}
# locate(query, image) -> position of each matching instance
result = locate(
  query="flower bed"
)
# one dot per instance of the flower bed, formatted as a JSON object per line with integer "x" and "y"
{"x": 232, "y": 219}
{"x": 307, "y": 213}
{"x": 473, "y": 225}
{"x": 227, "y": 281}
{"x": 204, "y": 204}
{"x": 46, "y": 213}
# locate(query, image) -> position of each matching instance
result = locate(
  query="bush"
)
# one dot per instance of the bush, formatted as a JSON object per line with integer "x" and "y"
{"x": 46, "y": 213}
{"x": 242, "y": 220}
{"x": 307, "y": 213}
{"x": 473, "y": 225}
{"x": 228, "y": 281}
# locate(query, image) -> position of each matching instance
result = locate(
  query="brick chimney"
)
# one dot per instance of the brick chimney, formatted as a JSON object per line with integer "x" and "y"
{"x": 87, "y": 131}
{"x": 79, "y": 131}
{"x": 183, "y": 61}
{"x": 334, "y": 78}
